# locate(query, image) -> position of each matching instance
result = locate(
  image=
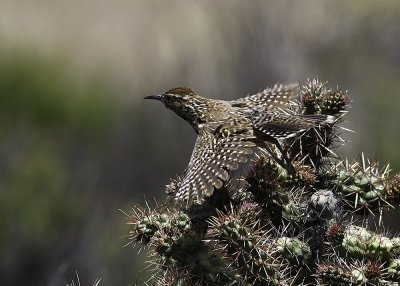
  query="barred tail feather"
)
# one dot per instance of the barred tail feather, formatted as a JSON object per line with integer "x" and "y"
{"x": 283, "y": 126}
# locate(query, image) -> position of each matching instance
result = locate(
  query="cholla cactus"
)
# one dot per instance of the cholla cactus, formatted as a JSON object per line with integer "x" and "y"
{"x": 271, "y": 226}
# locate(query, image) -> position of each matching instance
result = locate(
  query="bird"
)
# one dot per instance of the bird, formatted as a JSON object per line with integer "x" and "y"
{"x": 229, "y": 131}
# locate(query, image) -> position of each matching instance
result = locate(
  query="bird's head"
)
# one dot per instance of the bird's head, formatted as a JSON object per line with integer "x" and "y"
{"x": 183, "y": 101}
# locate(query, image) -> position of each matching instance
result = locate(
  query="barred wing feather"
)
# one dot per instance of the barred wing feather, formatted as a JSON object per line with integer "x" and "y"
{"x": 279, "y": 96}
{"x": 214, "y": 155}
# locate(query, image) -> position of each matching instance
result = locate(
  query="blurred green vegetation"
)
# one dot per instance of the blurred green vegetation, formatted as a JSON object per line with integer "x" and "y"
{"x": 49, "y": 123}
{"x": 35, "y": 92}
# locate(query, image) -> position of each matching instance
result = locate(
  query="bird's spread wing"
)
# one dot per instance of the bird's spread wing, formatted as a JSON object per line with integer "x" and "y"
{"x": 279, "y": 96}
{"x": 216, "y": 152}
{"x": 283, "y": 126}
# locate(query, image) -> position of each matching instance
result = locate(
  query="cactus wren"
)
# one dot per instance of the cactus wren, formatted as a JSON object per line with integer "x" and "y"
{"x": 228, "y": 131}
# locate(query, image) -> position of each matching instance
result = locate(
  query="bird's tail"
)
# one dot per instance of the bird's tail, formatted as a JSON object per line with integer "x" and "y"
{"x": 283, "y": 126}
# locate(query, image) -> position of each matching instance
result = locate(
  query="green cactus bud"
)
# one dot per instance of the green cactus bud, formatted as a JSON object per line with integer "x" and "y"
{"x": 363, "y": 186}
{"x": 331, "y": 274}
{"x": 359, "y": 277}
{"x": 379, "y": 246}
{"x": 295, "y": 251}
{"x": 355, "y": 240}
{"x": 241, "y": 244}
{"x": 359, "y": 242}
{"x": 394, "y": 269}
{"x": 292, "y": 212}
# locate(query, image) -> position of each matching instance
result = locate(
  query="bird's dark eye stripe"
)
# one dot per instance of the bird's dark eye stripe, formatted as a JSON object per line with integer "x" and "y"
{"x": 173, "y": 96}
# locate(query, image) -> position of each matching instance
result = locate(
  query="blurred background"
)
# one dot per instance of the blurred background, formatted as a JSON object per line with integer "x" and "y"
{"x": 78, "y": 143}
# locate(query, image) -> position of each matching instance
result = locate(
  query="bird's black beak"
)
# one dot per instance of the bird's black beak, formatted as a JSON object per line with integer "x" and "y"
{"x": 156, "y": 97}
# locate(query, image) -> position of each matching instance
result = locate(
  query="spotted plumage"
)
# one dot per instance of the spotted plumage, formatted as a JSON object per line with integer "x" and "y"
{"x": 279, "y": 96}
{"x": 228, "y": 131}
